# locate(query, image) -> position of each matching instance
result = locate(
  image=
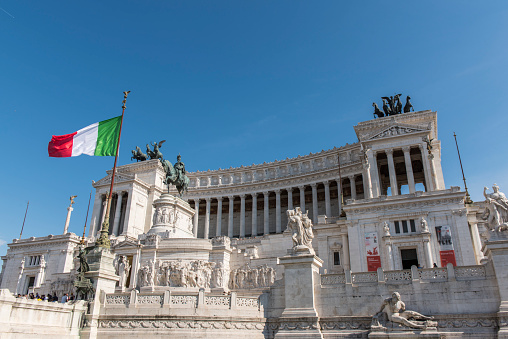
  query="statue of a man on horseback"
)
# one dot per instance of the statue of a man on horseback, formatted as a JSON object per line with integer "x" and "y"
{"x": 176, "y": 175}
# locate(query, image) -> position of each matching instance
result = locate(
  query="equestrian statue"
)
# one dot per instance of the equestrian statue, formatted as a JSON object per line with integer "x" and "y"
{"x": 176, "y": 175}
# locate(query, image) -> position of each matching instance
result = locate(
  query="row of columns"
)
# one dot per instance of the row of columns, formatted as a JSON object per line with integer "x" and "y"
{"x": 266, "y": 209}
{"x": 374, "y": 172}
{"x": 118, "y": 212}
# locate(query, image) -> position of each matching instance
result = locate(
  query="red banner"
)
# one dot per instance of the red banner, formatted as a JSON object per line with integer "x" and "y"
{"x": 447, "y": 257}
{"x": 373, "y": 262}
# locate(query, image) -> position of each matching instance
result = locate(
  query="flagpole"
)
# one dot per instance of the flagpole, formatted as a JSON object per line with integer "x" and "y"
{"x": 84, "y": 228}
{"x": 468, "y": 198}
{"x": 103, "y": 240}
{"x": 22, "y": 226}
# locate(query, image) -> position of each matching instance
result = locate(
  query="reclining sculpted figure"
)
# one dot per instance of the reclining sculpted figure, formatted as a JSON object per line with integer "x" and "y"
{"x": 395, "y": 311}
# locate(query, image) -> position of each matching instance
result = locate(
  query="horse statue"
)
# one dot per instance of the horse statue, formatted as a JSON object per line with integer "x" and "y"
{"x": 408, "y": 107}
{"x": 398, "y": 105}
{"x": 176, "y": 175}
{"x": 386, "y": 108}
{"x": 138, "y": 155}
{"x": 377, "y": 111}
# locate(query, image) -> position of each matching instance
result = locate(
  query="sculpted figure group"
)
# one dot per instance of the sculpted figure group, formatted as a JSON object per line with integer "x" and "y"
{"x": 496, "y": 211}
{"x": 300, "y": 226}
{"x": 252, "y": 277}
{"x": 197, "y": 273}
{"x": 392, "y": 106}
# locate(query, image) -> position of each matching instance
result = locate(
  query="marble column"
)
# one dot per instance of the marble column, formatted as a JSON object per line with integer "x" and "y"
{"x": 196, "y": 217}
{"x": 68, "y": 219}
{"x": 328, "y": 206}
{"x": 254, "y": 214}
{"x": 352, "y": 184}
{"x": 315, "y": 211}
{"x": 266, "y": 229}
{"x": 104, "y": 207}
{"x": 391, "y": 170}
{"x": 339, "y": 197}
{"x": 290, "y": 198}
{"x": 345, "y": 247}
{"x": 409, "y": 169}
{"x": 302, "y": 198}
{"x": 428, "y": 252}
{"x": 207, "y": 219}
{"x": 389, "y": 252}
{"x": 242, "y": 216}
{"x": 218, "y": 230}
{"x": 231, "y": 211}
{"x": 477, "y": 243}
{"x": 118, "y": 212}
{"x": 278, "y": 218}
{"x": 374, "y": 173}
{"x": 426, "y": 167}
{"x": 367, "y": 183}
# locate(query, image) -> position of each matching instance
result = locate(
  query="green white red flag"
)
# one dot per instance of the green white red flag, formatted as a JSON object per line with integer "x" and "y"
{"x": 99, "y": 139}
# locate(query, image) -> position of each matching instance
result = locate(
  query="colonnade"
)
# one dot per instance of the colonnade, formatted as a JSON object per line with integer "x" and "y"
{"x": 117, "y": 212}
{"x": 282, "y": 203}
{"x": 429, "y": 179}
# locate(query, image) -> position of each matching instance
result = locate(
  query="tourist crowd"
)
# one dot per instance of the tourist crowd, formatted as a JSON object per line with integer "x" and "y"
{"x": 52, "y": 298}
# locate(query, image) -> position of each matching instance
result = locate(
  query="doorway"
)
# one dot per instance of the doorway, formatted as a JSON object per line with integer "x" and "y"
{"x": 409, "y": 258}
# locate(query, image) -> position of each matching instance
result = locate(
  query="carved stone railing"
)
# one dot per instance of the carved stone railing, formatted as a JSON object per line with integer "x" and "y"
{"x": 398, "y": 277}
{"x": 364, "y": 277}
{"x": 247, "y": 302}
{"x": 188, "y": 300}
{"x": 333, "y": 279}
{"x": 433, "y": 274}
{"x": 151, "y": 299}
{"x": 218, "y": 301}
{"x": 470, "y": 272}
{"x": 118, "y": 299}
{"x": 426, "y": 275}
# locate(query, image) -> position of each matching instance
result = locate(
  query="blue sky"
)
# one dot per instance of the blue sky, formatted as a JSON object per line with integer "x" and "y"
{"x": 232, "y": 83}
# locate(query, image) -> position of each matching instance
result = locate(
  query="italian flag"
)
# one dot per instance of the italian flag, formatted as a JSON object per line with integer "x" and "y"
{"x": 100, "y": 138}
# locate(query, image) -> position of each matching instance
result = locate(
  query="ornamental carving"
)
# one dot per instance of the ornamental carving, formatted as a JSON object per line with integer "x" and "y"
{"x": 248, "y": 277}
{"x": 197, "y": 273}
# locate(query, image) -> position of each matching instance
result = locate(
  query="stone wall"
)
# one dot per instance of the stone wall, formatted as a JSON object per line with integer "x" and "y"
{"x": 22, "y": 318}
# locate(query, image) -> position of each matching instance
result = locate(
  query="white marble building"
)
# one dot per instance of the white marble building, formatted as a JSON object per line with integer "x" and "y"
{"x": 217, "y": 262}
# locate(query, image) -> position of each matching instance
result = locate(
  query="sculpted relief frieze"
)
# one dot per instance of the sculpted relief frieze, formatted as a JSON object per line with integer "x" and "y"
{"x": 395, "y": 131}
{"x": 197, "y": 273}
{"x": 252, "y": 277}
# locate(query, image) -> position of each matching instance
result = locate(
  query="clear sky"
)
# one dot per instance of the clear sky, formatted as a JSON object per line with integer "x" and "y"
{"x": 230, "y": 83}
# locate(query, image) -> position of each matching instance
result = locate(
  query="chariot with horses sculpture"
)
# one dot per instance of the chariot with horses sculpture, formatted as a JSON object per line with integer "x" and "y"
{"x": 392, "y": 106}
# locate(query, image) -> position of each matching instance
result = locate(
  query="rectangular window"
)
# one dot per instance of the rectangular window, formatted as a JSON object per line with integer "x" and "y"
{"x": 412, "y": 224}
{"x": 404, "y": 226}
{"x": 336, "y": 258}
{"x": 397, "y": 227}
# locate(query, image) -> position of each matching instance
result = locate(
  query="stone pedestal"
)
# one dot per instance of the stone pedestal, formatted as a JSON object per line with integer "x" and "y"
{"x": 301, "y": 284}
{"x": 496, "y": 250}
{"x": 102, "y": 274}
{"x": 172, "y": 217}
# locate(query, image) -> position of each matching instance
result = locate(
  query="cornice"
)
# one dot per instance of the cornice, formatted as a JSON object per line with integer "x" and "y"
{"x": 406, "y": 201}
{"x": 420, "y": 119}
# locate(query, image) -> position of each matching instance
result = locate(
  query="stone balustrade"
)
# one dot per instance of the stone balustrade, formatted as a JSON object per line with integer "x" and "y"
{"x": 186, "y": 300}
{"x": 436, "y": 274}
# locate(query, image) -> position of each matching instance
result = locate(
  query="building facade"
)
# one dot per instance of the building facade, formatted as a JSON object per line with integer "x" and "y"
{"x": 383, "y": 220}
